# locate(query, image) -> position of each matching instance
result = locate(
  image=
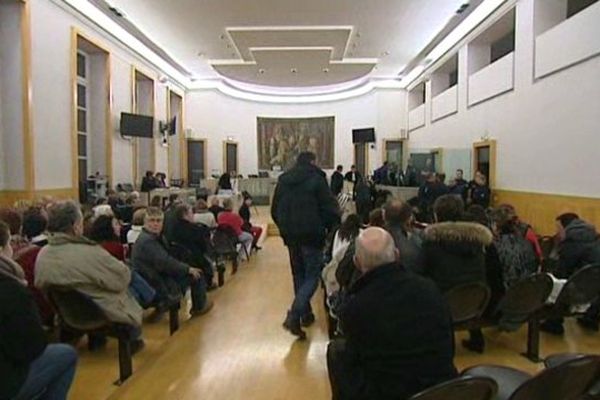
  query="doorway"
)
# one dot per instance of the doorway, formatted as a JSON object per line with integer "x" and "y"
{"x": 196, "y": 161}
{"x": 484, "y": 160}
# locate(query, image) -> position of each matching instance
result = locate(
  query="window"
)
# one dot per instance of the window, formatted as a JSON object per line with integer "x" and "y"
{"x": 83, "y": 140}
{"x": 575, "y": 6}
{"x": 502, "y": 46}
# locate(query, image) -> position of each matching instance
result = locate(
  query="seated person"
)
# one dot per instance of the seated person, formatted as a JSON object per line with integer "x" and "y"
{"x": 509, "y": 259}
{"x": 72, "y": 261}
{"x": 399, "y": 218}
{"x": 13, "y": 218}
{"x": 28, "y": 365}
{"x": 579, "y": 245}
{"x": 232, "y": 220}
{"x": 203, "y": 215}
{"x": 137, "y": 224}
{"x": 453, "y": 252}
{"x": 255, "y": 231}
{"x": 344, "y": 236}
{"x": 105, "y": 231}
{"x": 398, "y": 331}
{"x": 376, "y": 218}
{"x": 168, "y": 276}
{"x": 195, "y": 238}
{"x": 215, "y": 208}
{"x": 149, "y": 182}
{"x": 224, "y": 182}
{"x": 35, "y": 221}
{"x": 525, "y": 229}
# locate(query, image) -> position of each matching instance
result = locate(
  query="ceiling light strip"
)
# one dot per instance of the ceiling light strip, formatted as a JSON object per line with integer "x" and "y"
{"x": 111, "y": 27}
{"x": 480, "y": 14}
{"x": 313, "y": 98}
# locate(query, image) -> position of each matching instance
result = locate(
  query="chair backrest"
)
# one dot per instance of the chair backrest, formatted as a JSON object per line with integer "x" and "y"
{"x": 583, "y": 287}
{"x": 567, "y": 381}
{"x": 546, "y": 245}
{"x": 222, "y": 241}
{"x": 468, "y": 301}
{"x": 77, "y": 310}
{"x": 525, "y": 297}
{"x": 466, "y": 387}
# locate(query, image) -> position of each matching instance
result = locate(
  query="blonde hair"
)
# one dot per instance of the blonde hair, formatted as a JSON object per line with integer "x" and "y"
{"x": 153, "y": 212}
{"x": 138, "y": 217}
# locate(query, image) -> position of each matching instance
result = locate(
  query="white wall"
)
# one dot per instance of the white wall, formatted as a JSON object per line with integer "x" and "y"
{"x": 215, "y": 116}
{"x": 51, "y": 71}
{"x": 11, "y": 98}
{"x": 547, "y": 130}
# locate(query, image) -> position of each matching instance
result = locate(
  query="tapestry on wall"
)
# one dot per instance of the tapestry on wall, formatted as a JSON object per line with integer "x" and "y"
{"x": 280, "y": 140}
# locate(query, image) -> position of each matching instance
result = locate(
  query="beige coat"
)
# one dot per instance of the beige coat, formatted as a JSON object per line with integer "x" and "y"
{"x": 81, "y": 264}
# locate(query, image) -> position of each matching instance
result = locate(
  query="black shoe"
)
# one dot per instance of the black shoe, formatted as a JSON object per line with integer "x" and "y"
{"x": 473, "y": 345}
{"x": 137, "y": 345}
{"x": 257, "y": 248}
{"x": 552, "y": 327}
{"x": 293, "y": 326}
{"x": 307, "y": 320}
{"x": 588, "y": 323}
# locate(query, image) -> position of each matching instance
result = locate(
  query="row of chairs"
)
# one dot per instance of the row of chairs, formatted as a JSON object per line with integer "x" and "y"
{"x": 566, "y": 377}
{"x": 525, "y": 302}
{"x": 79, "y": 314}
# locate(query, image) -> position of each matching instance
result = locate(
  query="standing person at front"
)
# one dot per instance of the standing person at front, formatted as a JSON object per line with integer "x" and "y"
{"x": 397, "y": 328}
{"x": 337, "y": 181}
{"x": 304, "y": 209}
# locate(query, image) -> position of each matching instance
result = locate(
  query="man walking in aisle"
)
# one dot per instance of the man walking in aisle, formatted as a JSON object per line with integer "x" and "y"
{"x": 304, "y": 210}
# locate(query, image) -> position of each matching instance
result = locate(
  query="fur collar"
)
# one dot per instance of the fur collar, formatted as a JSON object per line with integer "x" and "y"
{"x": 459, "y": 232}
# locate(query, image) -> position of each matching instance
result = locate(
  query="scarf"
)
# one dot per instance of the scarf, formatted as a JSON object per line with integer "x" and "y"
{"x": 11, "y": 269}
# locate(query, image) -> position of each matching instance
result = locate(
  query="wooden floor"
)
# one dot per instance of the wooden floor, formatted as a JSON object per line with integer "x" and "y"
{"x": 240, "y": 351}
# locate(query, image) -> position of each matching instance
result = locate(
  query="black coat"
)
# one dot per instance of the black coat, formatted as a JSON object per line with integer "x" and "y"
{"x": 337, "y": 183}
{"x": 22, "y": 338}
{"x": 398, "y": 328}
{"x": 454, "y": 253}
{"x": 193, "y": 237}
{"x": 303, "y": 207}
{"x": 580, "y": 247}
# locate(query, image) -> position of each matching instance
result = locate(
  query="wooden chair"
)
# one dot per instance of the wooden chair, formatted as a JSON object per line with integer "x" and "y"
{"x": 79, "y": 313}
{"x": 467, "y": 303}
{"x": 583, "y": 287}
{"x": 224, "y": 247}
{"x": 567, "y": 381}
{"x": 465, "y": 387}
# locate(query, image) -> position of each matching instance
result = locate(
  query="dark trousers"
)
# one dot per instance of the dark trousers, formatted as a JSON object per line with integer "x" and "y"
{"x": 307, "y": 263}
{"x": 198, "y": 289}
{"x": 345, "y": 376}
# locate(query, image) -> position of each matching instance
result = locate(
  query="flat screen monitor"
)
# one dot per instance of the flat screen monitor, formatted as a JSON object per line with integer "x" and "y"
{"x": 366, "y": 135}
{"x": 137, "y": 125}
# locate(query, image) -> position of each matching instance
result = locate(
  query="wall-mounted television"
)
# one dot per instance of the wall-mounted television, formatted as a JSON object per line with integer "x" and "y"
{"x": 366, "y": 135}
{"x": 137, "y": 125}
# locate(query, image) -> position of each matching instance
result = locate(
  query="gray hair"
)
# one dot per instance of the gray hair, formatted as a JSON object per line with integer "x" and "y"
{"x": 374, "y": 247}
{"x": 62, "y": 216}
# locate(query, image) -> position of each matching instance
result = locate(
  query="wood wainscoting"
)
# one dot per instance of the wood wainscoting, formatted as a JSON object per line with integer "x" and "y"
{"x": 541, "y": 209}
{"x": 10, "y": 197}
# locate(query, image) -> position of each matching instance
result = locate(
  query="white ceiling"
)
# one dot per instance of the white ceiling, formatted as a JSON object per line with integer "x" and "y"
{"x": 264, "y": 41}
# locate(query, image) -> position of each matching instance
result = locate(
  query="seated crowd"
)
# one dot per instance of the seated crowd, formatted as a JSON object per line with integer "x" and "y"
{"x": 122, "y": 255}
{"x": 385, "y": 288}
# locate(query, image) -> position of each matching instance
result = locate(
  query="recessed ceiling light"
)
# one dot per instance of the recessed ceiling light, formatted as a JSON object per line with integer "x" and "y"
{"x": 385, "y": 53}
{"x": 326, "y": 70}
{"x": 200, "y": 54}
{"x": 261, "y": 71}
{"x": 294, "y": 70}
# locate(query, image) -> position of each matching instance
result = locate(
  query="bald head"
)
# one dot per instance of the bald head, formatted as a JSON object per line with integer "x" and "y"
{"x": 374, "y": 248}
